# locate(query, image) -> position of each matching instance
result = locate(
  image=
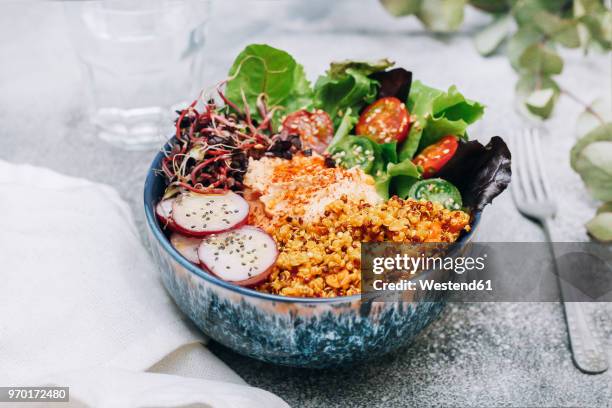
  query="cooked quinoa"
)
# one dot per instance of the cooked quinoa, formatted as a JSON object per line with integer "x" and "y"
{"x": 322, "y": 258}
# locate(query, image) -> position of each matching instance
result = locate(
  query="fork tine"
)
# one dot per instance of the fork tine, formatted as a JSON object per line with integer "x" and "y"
{"x": 529, "y": 193}
{"x": 540, "y": 165}
{"x": 528, "y": 176}
{"x": 516, "y": 179}
{"x": 535, "y": 171}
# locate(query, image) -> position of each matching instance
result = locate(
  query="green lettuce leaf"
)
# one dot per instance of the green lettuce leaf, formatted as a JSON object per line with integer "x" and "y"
{"x": 438, "y": 113}
{"x": 383, "y": 154}
{"x": 404, "y": 174}
{"x": 388, "y": 152}
{"x": 404, "y": 168}
{"x": 343, "y": 130}
{"x": 338, "y": 68}
{"x": 402, "y": 184}
{"x": 397, "y": 179}
{"x": 346, "y": 85}
{"x": 261, "y": 69}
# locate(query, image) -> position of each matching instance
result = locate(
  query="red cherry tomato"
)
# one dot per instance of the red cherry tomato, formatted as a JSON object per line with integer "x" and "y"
{"x": 434, "y": 157}
{"x": 384, "y": 121}
{"x": 315, "y": 129}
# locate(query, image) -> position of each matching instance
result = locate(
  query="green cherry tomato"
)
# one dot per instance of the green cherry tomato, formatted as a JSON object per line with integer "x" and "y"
{"x": 437, "y": 190}
{"x": 358, "y": 152}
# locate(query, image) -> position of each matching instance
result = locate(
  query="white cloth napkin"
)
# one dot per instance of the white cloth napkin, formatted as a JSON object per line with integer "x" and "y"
{"x": 81, "y": 303}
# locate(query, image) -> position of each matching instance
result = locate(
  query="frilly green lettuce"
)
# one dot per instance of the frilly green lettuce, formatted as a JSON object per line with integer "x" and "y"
{"x": 436, "y": 114}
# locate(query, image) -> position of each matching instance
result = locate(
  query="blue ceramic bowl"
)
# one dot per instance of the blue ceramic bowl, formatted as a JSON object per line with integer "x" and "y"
{"x": 301, "y": 332}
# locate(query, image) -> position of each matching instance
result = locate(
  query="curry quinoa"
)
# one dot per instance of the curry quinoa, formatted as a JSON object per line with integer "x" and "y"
{"x": 322, "y": 259}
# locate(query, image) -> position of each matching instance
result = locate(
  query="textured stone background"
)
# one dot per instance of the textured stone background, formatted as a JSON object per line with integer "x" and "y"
{"x": 476, "y": 354}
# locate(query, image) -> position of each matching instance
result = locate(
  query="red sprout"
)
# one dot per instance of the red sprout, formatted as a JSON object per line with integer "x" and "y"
{"x": 226, "y": 100}
{"x": 201, "y": 166}
{"x": 202, "y": 190}
{"x": 220, "y": 137}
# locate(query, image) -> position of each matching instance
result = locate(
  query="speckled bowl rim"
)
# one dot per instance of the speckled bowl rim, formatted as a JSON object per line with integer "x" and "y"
{"x": 165, "y": 243}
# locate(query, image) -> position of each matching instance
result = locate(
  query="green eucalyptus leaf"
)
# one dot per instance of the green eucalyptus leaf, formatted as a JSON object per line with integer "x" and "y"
{"x": 591, "y": 158}
{"x": 605, "y": 207}
{"x": 598, "y": 28}
{"x": 595, "y": 22}
{"x": 492, "y": 6}
{"x": 601, "y": 133}
{"x": 518, "y": 43}
{"x": 564, "y": 31}
{"x": 588, "y": 120}
{"x": 606, "y": 24}
{"x": 569, "y": 37}
{"x": 530, "y": 83}
{"x": 442, "y": 16}
{"x": 594, "y": 164}
{"x": 490, "y": 38}
{"x": 401, "y": 7}
{"x": 582, "y": 7}
{"x": 540, "y": 59}
{"x": 600, "y": 227}
{"x": 541, "y": 102}
{"x": 524, "y": 10}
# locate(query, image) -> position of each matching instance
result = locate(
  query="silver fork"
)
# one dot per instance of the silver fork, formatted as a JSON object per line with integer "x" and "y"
{"x": 533, "y": 198}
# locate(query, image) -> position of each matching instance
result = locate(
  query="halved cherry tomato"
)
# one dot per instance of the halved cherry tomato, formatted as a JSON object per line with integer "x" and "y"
{"x": 315, "y": 129}
{"x": 384, "y": 121}
{"x": 434, "y": 157}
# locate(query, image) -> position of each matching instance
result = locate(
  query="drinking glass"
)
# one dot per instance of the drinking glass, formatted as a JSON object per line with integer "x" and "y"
{"x": 142, "y": 60}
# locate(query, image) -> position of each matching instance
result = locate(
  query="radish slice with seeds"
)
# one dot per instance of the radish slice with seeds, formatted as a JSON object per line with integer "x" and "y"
{"x": 163, "y": 211}
{"x": 186, "y": 246}
{"x": 244, "y": 256}
{"x": 203, "y": 214}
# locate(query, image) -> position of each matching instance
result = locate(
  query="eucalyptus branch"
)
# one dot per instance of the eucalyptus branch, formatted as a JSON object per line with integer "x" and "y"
{"x": 587, "y": 107}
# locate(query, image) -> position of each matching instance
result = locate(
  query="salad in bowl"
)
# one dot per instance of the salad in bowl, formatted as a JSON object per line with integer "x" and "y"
{"x": 261, "y": 200}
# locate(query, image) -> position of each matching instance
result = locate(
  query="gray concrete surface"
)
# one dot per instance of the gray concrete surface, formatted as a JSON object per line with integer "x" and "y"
{"x": 476, "y": 354}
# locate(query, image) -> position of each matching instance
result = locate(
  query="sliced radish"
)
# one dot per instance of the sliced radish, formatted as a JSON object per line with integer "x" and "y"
{"x": 202, "y": 214}
{"x": 244, "y": 256}
{"x": 186, "y": 246}
{"x": 163, "y": 211}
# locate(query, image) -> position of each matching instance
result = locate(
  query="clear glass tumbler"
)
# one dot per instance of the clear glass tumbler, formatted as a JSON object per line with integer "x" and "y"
{"x": 143, "y": 59}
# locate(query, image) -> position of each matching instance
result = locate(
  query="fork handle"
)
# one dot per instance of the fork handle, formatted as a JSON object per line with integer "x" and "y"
{"x": 587, "y": 351}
